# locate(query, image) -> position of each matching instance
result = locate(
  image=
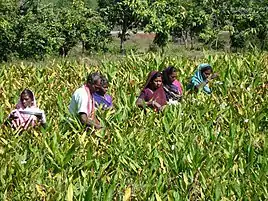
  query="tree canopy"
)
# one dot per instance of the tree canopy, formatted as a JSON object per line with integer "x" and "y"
{"x": 37, "y": 28}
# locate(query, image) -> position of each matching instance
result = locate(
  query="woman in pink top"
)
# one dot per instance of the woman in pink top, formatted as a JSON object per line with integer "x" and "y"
{"x": 172, "y": 87}
{"x": 26, "y": 114}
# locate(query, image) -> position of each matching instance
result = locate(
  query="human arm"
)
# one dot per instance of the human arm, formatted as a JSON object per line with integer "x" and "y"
{"x": 9, "y": 119}
{"x": 42, "y": 119}
{"x": 89, "y": 122}
{"x": 142, "y": 103}
{"x": 212, "y": 76}
{"x": 12, "y": 116}
{"x": 144, "y": 100}
{"x": 201, "y": 85}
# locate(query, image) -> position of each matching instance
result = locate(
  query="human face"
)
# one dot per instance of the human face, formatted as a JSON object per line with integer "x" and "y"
{"x": 172, "y": 77}
{"x": 207, "y": 73}
{"x": 102, "y": 91}
{"x": 96, "y": 86}
{"x": 104, "y": 88}
{"x": 26, "y": 100}
{"x": 157, "y": 82}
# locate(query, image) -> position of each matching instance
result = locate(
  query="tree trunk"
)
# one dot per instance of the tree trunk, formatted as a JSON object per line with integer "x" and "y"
{"x": 185, "y": 35}
{"x": 181, "y": 38}
{"x": 161, "y": 40}
{"x": 64, "y": 51}
{"x": 83, "y": 47}
{"x": 122, "y": 39}
{"x": 191, "y": 38}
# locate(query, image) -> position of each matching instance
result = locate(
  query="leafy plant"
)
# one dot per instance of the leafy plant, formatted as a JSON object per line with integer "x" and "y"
{"x": 47, "y": 30}
{"x": 206, "y": 148}
{"x": 161, "y": 17}
{"x": 122, "y": 14}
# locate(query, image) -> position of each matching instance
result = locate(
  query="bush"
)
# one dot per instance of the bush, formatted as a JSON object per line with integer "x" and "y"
{"x": 37, "y": 35}
{"x": 49, "y": 30}
{"x": 7, "y": 31}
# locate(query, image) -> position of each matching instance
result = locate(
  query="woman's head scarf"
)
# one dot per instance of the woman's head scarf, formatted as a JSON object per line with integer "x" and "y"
{"x": 198, "y": 77}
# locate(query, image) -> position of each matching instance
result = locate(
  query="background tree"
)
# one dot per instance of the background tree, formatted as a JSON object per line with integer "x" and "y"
{"x": 94, "y": 34}
{"x": 249, "y": 21}
{"x": 36, "y": 28}
{"x": 194, "y": 22}
{"x": 8, "y": 14}
{"x": 161, "y": 17}
{"x": 122, "y": 14}
{"x": 28, "y": 5}
{"x": 46, "y": 30}
{"x": 77, "y": 23}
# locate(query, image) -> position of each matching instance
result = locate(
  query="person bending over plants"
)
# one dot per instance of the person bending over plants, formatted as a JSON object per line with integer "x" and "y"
{"x": 102, "y": 99}
{"x": 82, "y": 103}
{"x": 153, "y": 94}
{"x": 201, "y": 79}
{"x": 26, "y": 114}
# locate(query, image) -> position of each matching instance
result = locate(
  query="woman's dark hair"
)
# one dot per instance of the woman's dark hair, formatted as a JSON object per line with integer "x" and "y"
{"x": 168, "y": 71}
{"x": 104, "y": 81}
{"x": 156, "y": 75}
{"x": 92, "y": 78}
{"x": 27, "y": 92}
{"x": 206, "y": 68}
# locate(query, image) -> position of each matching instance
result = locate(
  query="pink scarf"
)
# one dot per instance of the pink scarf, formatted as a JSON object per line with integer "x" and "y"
{"x": 179, "y": 85}
{"x": 91, "y": 104}
{"x": 23, "y": 120}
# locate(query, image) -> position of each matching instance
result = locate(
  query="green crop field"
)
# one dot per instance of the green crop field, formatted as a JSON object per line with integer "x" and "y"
{"x": 206, "y": 148}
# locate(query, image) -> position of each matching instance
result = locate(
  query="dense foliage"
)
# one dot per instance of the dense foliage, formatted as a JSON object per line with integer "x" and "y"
{"x": 31, "y": 31}
{"x": 122, "y": 14}
{"x": 206, "y": 148}
{"x": 246, "y": 20}
{"x": 37, "y": 28}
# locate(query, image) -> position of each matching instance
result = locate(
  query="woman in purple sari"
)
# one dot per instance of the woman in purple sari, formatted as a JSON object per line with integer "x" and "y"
{"x": 153, "y": 94}
{"x": 101, "y": 98}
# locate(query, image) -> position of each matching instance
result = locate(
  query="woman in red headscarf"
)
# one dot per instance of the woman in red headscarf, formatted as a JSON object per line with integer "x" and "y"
{"x": 153, "y": 94}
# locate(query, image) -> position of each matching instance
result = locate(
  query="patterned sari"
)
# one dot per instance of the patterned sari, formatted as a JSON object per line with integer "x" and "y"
{"x": 173, "y": 90}
{"x": 21, "y": 117}
{"x": 158, "y": 95}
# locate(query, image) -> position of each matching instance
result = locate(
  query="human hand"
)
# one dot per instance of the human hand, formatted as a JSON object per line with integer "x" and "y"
{"x": 98, "y": 126}
{"x": 157, "y": 105}
{"x": 13, "y": 116}
{"x": 161, "y": 108}
{"x": 38, "y": 116}
{"x": 214, "y": 75}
